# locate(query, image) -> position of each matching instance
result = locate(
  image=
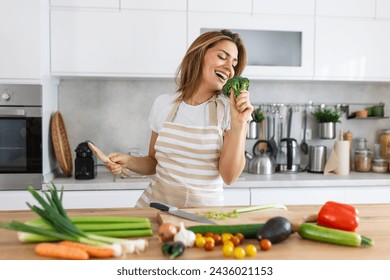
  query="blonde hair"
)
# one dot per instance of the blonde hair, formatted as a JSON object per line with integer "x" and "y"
{"x": 189, "y": 73}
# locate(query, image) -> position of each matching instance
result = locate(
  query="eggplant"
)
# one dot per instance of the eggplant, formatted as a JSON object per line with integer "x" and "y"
{"x": 275, "y": 230}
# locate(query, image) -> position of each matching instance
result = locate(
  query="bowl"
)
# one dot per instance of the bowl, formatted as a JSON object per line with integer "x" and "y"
{"x": 361, "y": 114}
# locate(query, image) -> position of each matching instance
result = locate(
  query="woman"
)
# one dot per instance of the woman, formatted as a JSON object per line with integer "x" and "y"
{"x": 198, "y": 134}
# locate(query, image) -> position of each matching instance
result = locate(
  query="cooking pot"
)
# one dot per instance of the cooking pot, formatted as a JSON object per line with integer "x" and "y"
{"x": 261, "y": 162}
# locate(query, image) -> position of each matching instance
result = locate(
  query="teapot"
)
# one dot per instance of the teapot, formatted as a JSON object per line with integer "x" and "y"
{"x": 261, "y": 162}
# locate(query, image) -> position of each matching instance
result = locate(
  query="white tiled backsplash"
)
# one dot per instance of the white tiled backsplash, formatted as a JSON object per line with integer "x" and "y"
{"x": 113, "y": 113}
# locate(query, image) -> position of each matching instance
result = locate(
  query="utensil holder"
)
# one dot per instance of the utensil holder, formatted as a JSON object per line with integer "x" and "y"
{"x": 253, "y": 131}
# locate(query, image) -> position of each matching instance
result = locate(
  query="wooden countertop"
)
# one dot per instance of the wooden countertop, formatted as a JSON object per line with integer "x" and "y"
{"x": 374, "y": 223}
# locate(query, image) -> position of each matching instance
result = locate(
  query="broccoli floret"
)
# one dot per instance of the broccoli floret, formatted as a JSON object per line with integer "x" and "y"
{"x": 237, "y": 83}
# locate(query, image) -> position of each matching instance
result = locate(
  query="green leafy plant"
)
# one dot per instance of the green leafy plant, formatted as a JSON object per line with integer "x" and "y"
{"x": 327, "y": 115}
{"x": 257, "y": 115}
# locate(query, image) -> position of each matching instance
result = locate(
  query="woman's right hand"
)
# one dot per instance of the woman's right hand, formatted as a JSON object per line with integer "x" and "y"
{"x": 120, "y": 162}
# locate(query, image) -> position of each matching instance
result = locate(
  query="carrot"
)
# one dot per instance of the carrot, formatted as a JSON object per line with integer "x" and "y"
{"x": 60, "y": 251}
{"x": 93, "y": 251}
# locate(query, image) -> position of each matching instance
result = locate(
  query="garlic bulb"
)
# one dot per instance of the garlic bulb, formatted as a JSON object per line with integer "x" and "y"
{"x": 185, "y": 236}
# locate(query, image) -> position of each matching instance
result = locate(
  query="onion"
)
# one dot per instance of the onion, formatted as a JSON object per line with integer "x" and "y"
{"x": 167, "y": 231}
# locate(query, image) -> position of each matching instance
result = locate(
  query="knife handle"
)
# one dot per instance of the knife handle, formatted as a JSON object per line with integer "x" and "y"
{"x": 159, "y": 205}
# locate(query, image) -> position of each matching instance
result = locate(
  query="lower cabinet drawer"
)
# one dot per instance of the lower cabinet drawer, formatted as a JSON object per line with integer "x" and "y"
{"x": 101, "y": 199}
{"x": 314, "y": 195}
{"x": 234, "y": 197}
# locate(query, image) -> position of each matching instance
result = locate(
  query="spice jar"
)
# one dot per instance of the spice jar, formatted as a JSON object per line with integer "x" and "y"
{"x": 385, "y": 143}
{"x": 362, "y": 160}
{"x": 380, "y": 165}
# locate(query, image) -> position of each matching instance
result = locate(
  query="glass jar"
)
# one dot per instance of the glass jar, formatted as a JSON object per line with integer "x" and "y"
{"x": 380, "y": 165}
{"x": 362, "y": 160}
{"x": 385, "y": 143}
{"x": 359, "y": 144}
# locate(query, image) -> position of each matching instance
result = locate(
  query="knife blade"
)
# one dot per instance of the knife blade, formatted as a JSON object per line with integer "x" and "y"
{"x": 179, "y": 213}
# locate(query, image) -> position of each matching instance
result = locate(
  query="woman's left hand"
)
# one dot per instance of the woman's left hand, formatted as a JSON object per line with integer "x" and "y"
{"x": 240, "y": 108}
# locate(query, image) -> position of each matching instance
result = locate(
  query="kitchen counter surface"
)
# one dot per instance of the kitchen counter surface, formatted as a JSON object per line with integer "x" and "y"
{"x": 374, "y": 223}
{"x": 106, "y": 181}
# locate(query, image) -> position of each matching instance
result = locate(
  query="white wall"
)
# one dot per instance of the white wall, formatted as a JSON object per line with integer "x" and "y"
{"x": 113, "y": 113}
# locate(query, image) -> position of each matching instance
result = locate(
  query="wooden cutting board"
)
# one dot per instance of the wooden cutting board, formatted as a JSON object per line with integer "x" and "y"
{"x": 255, "y": 217}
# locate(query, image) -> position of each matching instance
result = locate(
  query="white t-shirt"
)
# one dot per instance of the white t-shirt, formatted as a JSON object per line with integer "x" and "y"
{"x": 186, "y": 114}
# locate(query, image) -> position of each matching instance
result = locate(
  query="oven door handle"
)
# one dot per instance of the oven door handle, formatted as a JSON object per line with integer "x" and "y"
{"x": 11, "y": 112}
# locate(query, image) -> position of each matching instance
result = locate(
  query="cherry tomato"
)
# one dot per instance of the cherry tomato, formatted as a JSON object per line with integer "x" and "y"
{"x": 239, "y": 252}
{"x": 236, "y": 241}
{"x": 226, "y": 237}
{"x": 209, "y": 238}
{"x": 227, "y": 250}
{"x": 208, "y": 234}
{"x": 200, "y": 241}
{"x": 265, "y": 244}
{"x": 217, "y": 239}
{"x": 240, "y": 236}
{"x": 250, "y": 250}
{"x": 209, "y": 245}
{"x": 228, "y": 243}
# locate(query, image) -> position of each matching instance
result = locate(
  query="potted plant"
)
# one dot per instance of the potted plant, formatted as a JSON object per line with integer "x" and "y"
{"x": 254, "y": 125}
{"x": 327, "y": 119}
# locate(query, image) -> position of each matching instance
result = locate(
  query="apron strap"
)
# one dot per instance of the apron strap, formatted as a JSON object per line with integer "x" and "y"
{"x": 172, "y": 113}
{"x": 216, "y": 111}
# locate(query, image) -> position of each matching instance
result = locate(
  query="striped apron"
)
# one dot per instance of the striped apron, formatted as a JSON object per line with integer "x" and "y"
{"x": 187, "y": 162}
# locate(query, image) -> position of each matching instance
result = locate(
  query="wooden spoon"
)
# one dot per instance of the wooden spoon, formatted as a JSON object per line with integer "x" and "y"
{"x": 102, "y": 156}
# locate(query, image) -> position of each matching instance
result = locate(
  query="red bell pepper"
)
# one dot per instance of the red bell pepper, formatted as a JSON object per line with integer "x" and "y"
{"x": 339, "y": 216}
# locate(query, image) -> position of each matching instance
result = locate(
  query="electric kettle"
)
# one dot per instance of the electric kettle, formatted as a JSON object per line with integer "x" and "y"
{"x": 288, "y": 157}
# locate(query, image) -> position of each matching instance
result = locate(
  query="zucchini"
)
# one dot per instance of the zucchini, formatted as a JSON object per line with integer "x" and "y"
{"x": 334, "y": 236}
{"x": 248, "y": 230}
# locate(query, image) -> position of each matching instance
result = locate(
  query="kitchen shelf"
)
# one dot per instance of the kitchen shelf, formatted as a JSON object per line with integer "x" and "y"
{"x": 344, "y": 108}
{"x": 368, "y": 118}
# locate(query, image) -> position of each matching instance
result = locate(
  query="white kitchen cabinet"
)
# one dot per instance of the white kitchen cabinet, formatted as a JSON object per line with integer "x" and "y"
{"x": 382, "y": 9}
{"x": 279, "y": 47}
{"x": 86, "y": 3}
{"x": 100, "y": 199}
{"x": 284, "y": 7}
{"x": 172, "y": 5}
{"x": 16, "y": 200}
{"x": 123, "y": 44}
{"x": 352, "y": 49}
{"x": 369, "y": 194}
{"x": 20, "y": 34}
{"x": 220, "y": 6}
{"x": 298, "y": 195}
{"x": 234, "y": 197}
{"x": 346, "y": 8}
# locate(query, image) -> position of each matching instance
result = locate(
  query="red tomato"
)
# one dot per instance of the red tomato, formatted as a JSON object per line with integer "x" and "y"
{"x": 265, "y": 244}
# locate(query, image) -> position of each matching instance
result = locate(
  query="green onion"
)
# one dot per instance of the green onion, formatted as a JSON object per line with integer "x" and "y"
{"x": 61, "y": 227}
{"x": 260, "y": 207}
{"x": 100, "y": 225}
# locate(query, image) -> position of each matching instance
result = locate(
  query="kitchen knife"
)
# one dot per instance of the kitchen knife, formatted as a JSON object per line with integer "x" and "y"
{"x": 176, "y": 212}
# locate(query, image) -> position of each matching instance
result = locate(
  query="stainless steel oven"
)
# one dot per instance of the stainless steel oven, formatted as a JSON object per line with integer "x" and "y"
{"x": 20, "y": 136}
